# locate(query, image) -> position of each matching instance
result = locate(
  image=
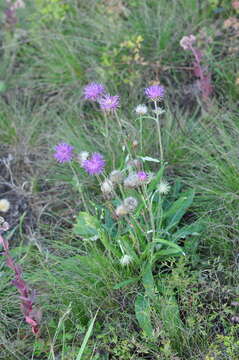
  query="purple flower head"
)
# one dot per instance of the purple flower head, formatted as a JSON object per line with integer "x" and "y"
{"x": 109, "y": 103}
{"x": 93, "y": 91}
{"x": 142, "y": 176}
{"x": 95, "y": 165}
{"x": 155, "y": 92}
{"x": 63, "y": 153}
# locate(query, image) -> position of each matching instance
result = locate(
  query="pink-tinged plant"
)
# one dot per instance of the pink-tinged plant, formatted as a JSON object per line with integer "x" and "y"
{"x": 27, "y": 297}
{"x": 64, "y": 153}
{"x": 155, "y": 92}
{"x": 93, "y": 91}
{"x": 109, "y": 103}
{"x": 142, "y": 176}
{"x": 200, "y": 71}
{"x": 95, "y": 165}
{"x": 235, "y": 5}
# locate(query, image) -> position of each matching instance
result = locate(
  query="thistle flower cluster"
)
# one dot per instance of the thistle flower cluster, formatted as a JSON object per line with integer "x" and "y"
{"x": 96, "y": 92}
{"x": 134, "y": 180}
{"x": 93, "y": 165}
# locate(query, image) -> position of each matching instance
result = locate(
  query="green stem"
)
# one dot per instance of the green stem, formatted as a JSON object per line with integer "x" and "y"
{"x": 159, "y": 132}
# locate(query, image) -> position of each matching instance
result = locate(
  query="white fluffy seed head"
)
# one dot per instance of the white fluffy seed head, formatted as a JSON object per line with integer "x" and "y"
{"x": 163, "y": 187}
{"x": 82, "y": 156}
{"x": 126, "y": 260}
{"x": 4, "y": 205}
{"x": 141, "y": 109}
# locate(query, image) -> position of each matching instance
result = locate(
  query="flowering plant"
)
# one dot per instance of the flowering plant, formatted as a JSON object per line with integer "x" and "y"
{"x": 140, "y": 221}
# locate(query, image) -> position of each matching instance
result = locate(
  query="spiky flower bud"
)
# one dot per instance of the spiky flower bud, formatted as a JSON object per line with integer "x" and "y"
{"x": 4, "y": 205}
{"x": 126, "y": 260}
{"x": 116, "y": 177}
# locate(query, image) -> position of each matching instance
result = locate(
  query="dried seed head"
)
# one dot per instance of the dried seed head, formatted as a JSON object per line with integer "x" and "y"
{"x": 130, "y": 203}
{"x": 121, "y": 210}
{"x": 141, "y": 109}
{"x": 116, "y": 177}
{"x": 132, "y": 181}
{"x": 163, "y": 187}
{"x": 4, "y": 205}
{"x": 107, "y": 187}
{"x": 126, "y": 260}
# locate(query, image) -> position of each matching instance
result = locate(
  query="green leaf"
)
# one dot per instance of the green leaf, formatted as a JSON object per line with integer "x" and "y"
{"x": 87, "y": 225}
{"x": 148, "y": 281}
{"x": 174, "y": 214}
{"x": 86, "y": 338}
{"x": 170, "y": 244}
{"x": 125, "y": 283}
{"x": 192, "y": 229}
{"x": 142, "y": 312}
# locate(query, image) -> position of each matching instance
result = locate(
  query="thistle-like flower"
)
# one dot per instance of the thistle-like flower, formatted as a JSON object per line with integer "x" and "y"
{"x": 95, "y": 165}
{"x": 109, "y": 103}
{"x": 142, "y": 176}
{"x": 163, "y": 187}
{"x": 82, "y": 156}
{"x": 155, "y": 92}
{"x": 4, "y": 205}
{"x": 187, "y": 41}
{"x": 93, "y": 91}
{"x": 116, "y": 177}
{"x": 126, "y": 260}
{"x": 141, "y": 109}
{"x": 64, "y": 153}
